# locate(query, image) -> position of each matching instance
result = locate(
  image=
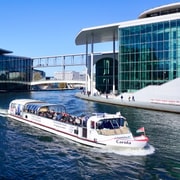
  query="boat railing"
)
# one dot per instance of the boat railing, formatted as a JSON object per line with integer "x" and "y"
{"x": 98, "y": 114}
{"x": 60, "y": 116}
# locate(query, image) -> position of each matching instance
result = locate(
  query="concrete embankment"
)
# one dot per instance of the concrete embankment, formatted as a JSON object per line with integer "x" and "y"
{"x": 135, "y": 104}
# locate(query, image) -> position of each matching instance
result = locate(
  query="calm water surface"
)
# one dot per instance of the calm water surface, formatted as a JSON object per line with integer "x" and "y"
{"x": 29, "y": 153}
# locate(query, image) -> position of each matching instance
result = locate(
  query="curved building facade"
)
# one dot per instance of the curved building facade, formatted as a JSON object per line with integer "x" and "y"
{"x": 149, "y": 52}
{"x": 162, "y": 10}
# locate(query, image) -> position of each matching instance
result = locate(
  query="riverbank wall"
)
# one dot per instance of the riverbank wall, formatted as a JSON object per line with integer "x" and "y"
{"x": 136, "y": 104}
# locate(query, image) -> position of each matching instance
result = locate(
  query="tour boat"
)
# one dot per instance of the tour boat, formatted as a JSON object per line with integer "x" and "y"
{"x": 96, "y": 129}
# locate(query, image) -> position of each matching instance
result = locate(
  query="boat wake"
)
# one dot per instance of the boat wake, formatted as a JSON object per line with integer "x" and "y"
{"x": 3, "y": 112}
{"x": 130, "y": 151}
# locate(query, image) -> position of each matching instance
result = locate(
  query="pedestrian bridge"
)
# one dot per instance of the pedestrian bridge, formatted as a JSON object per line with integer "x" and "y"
{"x": 56, "y": 84}
{"x": 57, "y": 81}
{"x": 45, "y": 82}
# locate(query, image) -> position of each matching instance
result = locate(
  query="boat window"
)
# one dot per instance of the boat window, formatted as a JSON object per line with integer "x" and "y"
{"x": 84, "y": 119}
{"x": 99, "y": 125}
{"x": 92, "y": 124}
{"x": 121, "y": 121}
{"x": 106, "y": 123}
{"x": 113, "y": 123}
{"x": 13, "y": 105}
{"x": 18, "y": 109}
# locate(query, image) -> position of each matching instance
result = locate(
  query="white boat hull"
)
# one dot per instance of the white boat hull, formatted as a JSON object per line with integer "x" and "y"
{"x": 75, "y": 133}
{"x": 97, "y": 130}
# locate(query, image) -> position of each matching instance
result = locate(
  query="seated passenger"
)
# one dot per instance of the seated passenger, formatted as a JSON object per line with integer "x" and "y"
{"x": 49, "y": 115}
{"x": 77, "y": 121}
{"x": 58, "y": 116}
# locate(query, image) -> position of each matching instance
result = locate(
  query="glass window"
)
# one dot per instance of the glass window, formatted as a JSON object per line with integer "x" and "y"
{"x": 160, "y": 26}
{"x": 173, "y": 24}
{"x": 166, "y": 36}
{"x": 160, "y": 36}
{"x": 166, "y": 25}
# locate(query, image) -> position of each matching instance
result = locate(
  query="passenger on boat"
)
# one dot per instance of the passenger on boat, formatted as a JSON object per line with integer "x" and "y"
{"x": 58, "y": 116}
{"x": 40, "y": 114}
{"x": 48, "y": 115}
{"x": 77, "y": 121}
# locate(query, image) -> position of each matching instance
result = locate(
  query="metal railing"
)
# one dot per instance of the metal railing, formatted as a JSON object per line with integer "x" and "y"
{"x": 60, "y": 60}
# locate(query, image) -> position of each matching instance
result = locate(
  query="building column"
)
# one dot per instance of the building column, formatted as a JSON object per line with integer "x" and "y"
{"x": 114, "y": 58}
{"x": 92, "y": 59}
{"x": 87, "y": 67}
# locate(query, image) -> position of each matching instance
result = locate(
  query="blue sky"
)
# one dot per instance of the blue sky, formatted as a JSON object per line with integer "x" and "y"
{"x": 38, "y": 28}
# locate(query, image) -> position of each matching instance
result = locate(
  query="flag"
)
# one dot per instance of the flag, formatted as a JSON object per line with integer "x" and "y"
{"x": 140, "y": 130}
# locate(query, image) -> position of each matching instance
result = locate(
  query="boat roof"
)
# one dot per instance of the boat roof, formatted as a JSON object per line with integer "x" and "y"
{"x": 104, "y": 116}
{"x": 44, "y": 107}
{"x": 36, "y": 105}
{"x": 25, "y": 101}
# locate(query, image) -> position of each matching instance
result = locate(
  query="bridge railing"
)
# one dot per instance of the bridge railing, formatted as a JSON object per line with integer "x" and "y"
{"x": 46, "y": 82}
{"x": 57, "y": 81}
{"x": 60, "y": 60}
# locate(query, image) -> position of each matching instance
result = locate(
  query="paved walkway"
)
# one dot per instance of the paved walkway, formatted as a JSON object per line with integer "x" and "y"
{"x": 136, "y": 104}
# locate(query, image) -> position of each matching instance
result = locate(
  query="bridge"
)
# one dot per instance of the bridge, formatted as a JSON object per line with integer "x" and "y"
{"x": 41, "y": 82}
{"x": 56, "y": 84}
{"x": 49, "y": 84}
{"x": 60, "y": 60}
{"x": 45, "y": 82}
{"x": 81, "y": 59}
{"x": 55, "y": 61}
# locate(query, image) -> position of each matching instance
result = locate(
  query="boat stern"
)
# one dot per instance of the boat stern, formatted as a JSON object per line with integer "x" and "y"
{"x": 141, "y": 141}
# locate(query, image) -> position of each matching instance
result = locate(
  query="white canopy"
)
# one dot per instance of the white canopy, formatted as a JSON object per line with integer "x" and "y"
{"x": 99, "y": 34}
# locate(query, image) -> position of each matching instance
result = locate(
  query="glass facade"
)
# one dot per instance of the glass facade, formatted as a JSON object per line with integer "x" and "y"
{"x": 14, "y": 71}
{"x": 148, "y": 54}
{"x": 104, "y": 75}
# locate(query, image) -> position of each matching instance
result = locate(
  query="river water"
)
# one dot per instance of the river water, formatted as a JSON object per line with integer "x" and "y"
{"x": 29, "y": 153}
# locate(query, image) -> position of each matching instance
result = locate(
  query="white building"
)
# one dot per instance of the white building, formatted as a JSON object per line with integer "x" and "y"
{"x": 69, "y": 75}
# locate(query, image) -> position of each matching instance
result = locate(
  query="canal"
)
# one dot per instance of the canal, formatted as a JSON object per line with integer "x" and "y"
{"x": 29, "y": 153}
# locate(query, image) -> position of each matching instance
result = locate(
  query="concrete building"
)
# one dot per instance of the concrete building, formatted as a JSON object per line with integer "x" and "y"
{"x": 148, "y": 51}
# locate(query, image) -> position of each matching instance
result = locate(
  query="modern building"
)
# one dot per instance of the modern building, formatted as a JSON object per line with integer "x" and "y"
{"x": 148, "y": 50}
{"x": 15, "y": 72}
